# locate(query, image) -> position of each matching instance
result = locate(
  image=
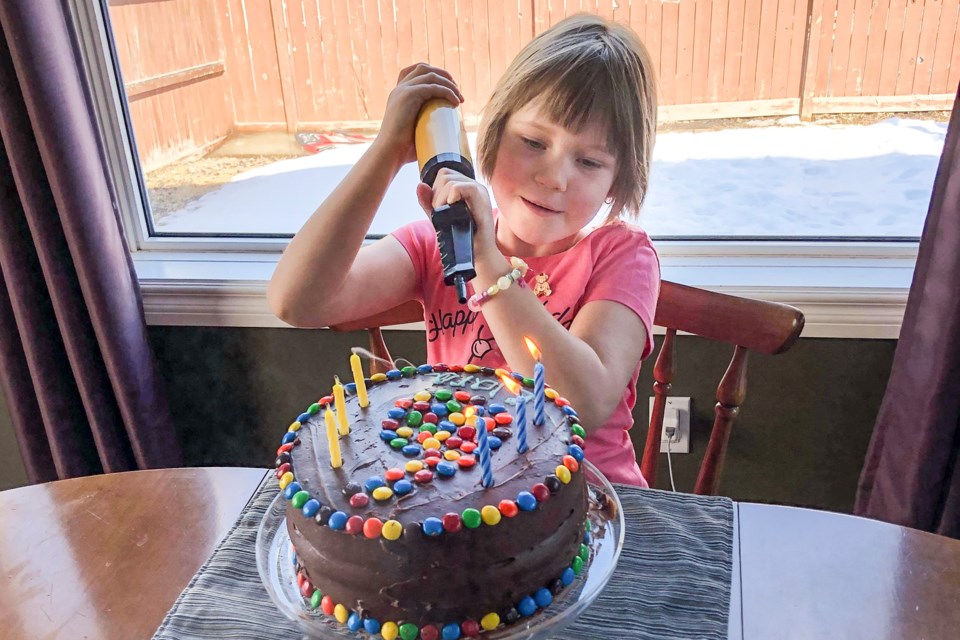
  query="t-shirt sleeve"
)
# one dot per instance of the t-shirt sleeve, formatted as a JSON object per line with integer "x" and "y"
{"x": 419, "y": 240}
{"x": 627, "y": 270}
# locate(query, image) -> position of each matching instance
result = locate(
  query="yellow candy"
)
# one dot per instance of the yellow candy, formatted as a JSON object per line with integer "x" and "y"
{"x": 442, "y": 435}
{"x": 490, "y": 621}
{"x": 341, "y": 613}
{"x": 404, "y": 432}
{"x": 452, "y": 455}
{"x": 551, "y": 393}
{"x": 378, "y": 377}
{"x": 457, "y": 418}
{"x": 413, "y": 466}
{"x": 490, "y": 514}
{"x": 563, "y": 473}
{"x": 286, "y": 479}
{"x": 295, "y": 426}
{"x": 385, "y": 493}
{"x": 391, "y": 531}
{"x": 422, "y": 396}
{"x": 501, "y": 372}
{"x": 431, "y": 443}
{"x": 389, "y": 631}
{"x": 471, "y": 368}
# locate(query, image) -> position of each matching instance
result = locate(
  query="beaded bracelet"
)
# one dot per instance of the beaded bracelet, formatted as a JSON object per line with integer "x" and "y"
{"x": 503, "y": 282}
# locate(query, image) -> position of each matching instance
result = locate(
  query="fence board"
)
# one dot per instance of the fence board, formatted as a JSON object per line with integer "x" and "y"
{"x": 700, "y": 53}
{"x": 840, "y": 59}
{"x": 669, "y": 17}
{"x": 718, "y": 43}
{"x": 858, "y": 48}
{"x": 906, "y": 68}
{"x": 686, "y": 45}
{"x": 925, "y": 47}
{"x": 734, "y": 50}
{"x": 889, "y": 66}
{"x": 746, "y": 88}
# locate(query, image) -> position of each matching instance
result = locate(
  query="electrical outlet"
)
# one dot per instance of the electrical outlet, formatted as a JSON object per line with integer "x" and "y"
{"x": 677, "y": 409}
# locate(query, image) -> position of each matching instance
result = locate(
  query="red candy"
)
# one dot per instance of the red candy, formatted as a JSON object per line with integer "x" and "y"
{"x": 403, "y": 403}
{"x": 372, "y": 528}
{"x": 468, "y": 447}
{"x": 285, "y": 447}
{"x": 422, "y": 407}
{"x": 282, "y": 469}
{"x": 508, "y": 508}
{"x": 390, "y": 424}
{"x": 491, "y": 424}
{"x": 325, "y": 400}
{"x": 571, "y": 463}
{"x": 326, "y": 605}
{"x": 430, "y": 418}
{"x": 301, "y": 578}
{"x": 432, "y": 462}
{"x": 354, "y": 525}
{"x": 306, "y": 589}
{"x": 359, "y": 500}
{"x": 393, "y": 474}
{"x": 503, "y": 418}
{"x": 470, "y": 628}
{"x": 423, "y": 476}
{"x": 562, "y": 402}
{"x": 466, "y": 461}
{"x": 440, "y": 367}
{"x": 540, "y": 492}
{"x": 461, "y": 396}
{"x": 423, "y": 435}
{"x": 452, "y": 522}
{"x": 577, "y": 440}
{"x": 467, "y": 433}
{"x": 456, "y": 368}
{"x": 453, "y": 442}
{"x": 432, "y": 453}
{"x": 429, "y": 632}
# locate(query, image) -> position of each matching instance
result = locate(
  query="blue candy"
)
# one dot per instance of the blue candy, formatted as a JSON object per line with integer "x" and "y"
{"x": 396, "y": 413}
{"x": 525, "y": 500}
{"x": 567, "y": 576}
{"x": 479, "y": 411}
{"x": 394, "y": 374}
{"x": 516, "y": 376}
{"x": 350, "y": 387}
{"x": 411, "y": 450}
{"x": 338, "y": 520}
{"x": 386, "y": 435}
{"x": 496, "y": 408}
{"x": 527, "y": 607}
{"x": 446, "y": 469}
{"x": 432, "y": 527}
{"x": 289, "y": 436}
{"x": 354, "y": 622}
{"x": 438, "y": 409}
{"x": 293, "y": 558}
{"x": 576, "y": 452}
{"x": 373, "y": 482}
{"x": 425, "y": 368}
{"x": 291, "y": 489}
{"x": 494, "y": 442}
{"x": 402, "y": 487}
{"x": 587, "y": 537}
{"x": 567, "y": 409}
{"x": 371, "y": 626}
{"x": 302, "y": 419}
{"x": 310, "y": 508}
{"x": 450, "y": 631}
{"x": 543, "y": 597}
{"x": 446, "y": 425}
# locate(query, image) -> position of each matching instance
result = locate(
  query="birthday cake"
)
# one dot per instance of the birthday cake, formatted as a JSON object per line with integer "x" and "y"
{"x": 436, "y": 503}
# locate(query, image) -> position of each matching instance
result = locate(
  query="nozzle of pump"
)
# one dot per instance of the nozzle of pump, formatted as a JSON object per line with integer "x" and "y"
{"x": 441, "y": 141}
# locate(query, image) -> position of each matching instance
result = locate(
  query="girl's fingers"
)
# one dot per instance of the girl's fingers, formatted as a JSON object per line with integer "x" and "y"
{"x": 425, "y": 198}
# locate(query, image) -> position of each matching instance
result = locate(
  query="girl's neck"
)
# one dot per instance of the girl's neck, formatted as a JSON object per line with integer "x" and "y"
{"x": 511, "y": 245}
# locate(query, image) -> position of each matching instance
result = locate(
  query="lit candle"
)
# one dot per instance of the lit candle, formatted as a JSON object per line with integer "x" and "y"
{"x": 483, "y": 448}
{"x": 514, "y": 387}
{"x": 539, "y": 398}
{"x": 341, "y": 405}
{"x": 358, "y": 379}
{"x": 333, "y": 440}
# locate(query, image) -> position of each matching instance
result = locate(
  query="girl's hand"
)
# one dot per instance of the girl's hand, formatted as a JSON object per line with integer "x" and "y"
{"x": 452, "y": 186}
{"x": 417, "y": 84}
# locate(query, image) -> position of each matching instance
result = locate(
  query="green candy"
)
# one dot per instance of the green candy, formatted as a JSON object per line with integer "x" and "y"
{"x": 453, "y": 406}
{"x": 414, "y": 418}
{"x": 584, "y": 552}
{"x": 409, "y": 631}
{"x": 443, "y": 395}
{"x": 315, "y": 599}
{"x": 577, "y": 565}
{"x": 577, "y": 430}
{"x": 408, "y": 372}
{"x": 299, "y": 499}
{"x": 314, "y": 409}
{"x": 528, "y": 382}
{"x": 432, "y": 428}
{"x": 399, "y": 443}
{"x": 587, "y": 523}
{"x": 471, "y": 518}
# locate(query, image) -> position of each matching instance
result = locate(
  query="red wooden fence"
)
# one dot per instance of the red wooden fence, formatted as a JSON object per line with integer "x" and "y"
{"x": 197, "y": 70}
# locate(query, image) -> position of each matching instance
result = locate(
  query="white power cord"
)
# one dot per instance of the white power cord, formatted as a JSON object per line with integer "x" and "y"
{"x": 670, "y": 431}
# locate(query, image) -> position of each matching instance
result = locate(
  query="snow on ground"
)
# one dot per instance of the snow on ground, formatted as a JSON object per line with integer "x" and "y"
{"x": 779, "y": 181}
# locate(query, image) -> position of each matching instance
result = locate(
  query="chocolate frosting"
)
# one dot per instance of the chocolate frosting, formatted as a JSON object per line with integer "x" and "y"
{"x": 456, "y": 575}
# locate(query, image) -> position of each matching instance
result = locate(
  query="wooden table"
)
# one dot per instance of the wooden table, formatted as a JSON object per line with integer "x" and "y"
{"x": 106, "y": 556}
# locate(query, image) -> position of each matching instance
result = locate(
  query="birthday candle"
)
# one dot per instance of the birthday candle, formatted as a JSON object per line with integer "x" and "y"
{"x": 514, "y": 387}
{"x": 358, "y": 379}
{"x": 341, "y": 405}
{"x": 539, "y": 386}
{"x": 483, "y": 446}
{"x": 333, "y": 441}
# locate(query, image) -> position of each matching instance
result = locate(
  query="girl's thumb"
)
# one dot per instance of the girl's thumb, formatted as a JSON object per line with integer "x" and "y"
{"x": 425, "y": 196}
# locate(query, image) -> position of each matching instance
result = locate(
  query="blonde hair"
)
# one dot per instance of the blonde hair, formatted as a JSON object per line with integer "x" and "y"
{"x": 584, "y": 69}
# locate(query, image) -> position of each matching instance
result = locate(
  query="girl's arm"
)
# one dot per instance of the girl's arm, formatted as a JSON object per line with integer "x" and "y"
{"x": 324, "y": 277}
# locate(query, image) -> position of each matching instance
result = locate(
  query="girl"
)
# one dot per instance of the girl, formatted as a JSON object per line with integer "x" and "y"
{"x": 569, "y": 128}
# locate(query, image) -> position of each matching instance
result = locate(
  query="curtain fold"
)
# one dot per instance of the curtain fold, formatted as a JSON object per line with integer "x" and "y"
{"x": 78, "y": 372}
{"x": 911, "y": 475}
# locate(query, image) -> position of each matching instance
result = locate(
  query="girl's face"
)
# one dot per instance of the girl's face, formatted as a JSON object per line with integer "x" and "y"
{"x": 548, "y": 182}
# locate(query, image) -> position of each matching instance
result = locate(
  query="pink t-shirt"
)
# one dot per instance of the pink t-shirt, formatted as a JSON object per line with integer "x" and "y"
{"x": 614, "y": 262}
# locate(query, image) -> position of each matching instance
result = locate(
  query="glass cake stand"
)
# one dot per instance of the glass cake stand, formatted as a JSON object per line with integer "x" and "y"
{"x": 274, "y": 563}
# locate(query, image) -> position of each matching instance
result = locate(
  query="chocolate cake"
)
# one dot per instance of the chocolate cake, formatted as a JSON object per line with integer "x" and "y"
{"x": 404, "y": 538}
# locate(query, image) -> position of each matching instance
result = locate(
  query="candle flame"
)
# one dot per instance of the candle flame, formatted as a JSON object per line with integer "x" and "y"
{"x": 469, "y": 411}
{"x": 511, "y": 384}
{"x": 532, "y": 348}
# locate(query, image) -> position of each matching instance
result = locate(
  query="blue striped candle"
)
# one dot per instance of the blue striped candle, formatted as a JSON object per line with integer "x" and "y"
{"x": 483, "y": 446}
{"x": 538, "y": 394}
{"x": 521, "y": 423}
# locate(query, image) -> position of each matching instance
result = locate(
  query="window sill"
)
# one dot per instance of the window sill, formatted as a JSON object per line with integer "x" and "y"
{"x": 841, "y": 297}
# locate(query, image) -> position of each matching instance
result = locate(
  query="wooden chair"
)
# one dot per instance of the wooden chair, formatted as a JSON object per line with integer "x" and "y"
{"x": 748, "y": 325}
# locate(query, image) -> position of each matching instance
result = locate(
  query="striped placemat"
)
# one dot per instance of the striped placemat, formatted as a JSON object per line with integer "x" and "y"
{"x": 672, "y": 580}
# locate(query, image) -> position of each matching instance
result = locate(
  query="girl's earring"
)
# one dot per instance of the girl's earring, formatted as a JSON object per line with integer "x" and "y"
{"x": 608, "y": 200}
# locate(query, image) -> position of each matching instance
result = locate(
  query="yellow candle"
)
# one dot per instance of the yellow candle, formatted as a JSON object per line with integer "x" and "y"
{"x": 341, "y": 405}
{"x": 358, "y": 379}
{"x": 333, "y": 441}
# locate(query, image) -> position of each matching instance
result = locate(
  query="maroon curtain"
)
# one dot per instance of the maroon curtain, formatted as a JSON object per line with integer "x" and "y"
{"x": 77, "y": 371}
{"x": 911, "y": 476}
